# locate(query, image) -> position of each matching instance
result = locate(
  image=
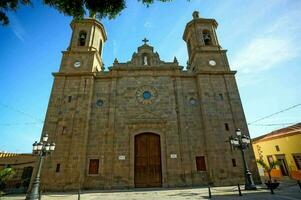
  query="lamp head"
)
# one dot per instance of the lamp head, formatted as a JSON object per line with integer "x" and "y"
{"x": 238, "y": 132}
{"x": 45, "y": 137}
{"x": 39, "y": 146}
{"x": 35, "y": 146}
{"x": 47, "y": 147}
{"x": 52, "y": 146}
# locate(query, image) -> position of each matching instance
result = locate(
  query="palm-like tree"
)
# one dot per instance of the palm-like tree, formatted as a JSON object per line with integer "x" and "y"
{"x": 268, "y": 168}
{"x": 5, "y": 174}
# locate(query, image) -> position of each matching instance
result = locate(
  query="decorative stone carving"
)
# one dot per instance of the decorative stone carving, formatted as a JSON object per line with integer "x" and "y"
{"x": 146, "y": 95}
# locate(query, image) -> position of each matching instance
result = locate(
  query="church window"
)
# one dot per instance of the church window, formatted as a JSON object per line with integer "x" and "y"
{"x": 82, "y": 38}
{"x": 207, "y": 37}
{"x": 93, "y": 166}
{"x": 221, "y": 96}
{"x": 200, "y": 163}
{"x": 233, "y": 162}
{"x": 63, "y": 130}
{"x": 147, "y": 95}
{"x": 99, "y": 102}
{"x": 69, "y": 99}
{"x": 227, "y": 126}
{"x": 277, "y": 148}
{"x": 192, "y": 101}
{"x": 58, "y": 167}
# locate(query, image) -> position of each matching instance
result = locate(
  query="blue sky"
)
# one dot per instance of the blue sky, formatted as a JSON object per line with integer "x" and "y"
{"x": 262, "y": 38}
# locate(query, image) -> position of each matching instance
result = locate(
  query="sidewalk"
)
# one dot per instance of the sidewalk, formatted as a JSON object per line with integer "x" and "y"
{"x": 285, "y": 192}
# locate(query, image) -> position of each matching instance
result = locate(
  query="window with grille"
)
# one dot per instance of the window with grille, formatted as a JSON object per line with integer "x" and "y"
{"x": 297, "y": 159}
{"x": 200, "y": 163}
{"x": 270, "y": 159}
{"x": 93, "y": 166}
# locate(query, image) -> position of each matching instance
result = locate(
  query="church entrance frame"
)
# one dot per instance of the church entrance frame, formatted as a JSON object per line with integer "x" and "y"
{"x": 147, "y": 160}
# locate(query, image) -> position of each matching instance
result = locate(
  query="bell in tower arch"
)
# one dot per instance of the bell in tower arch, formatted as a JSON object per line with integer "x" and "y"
{"x": 207, "y": 37}
{"x": 82, "y": 38}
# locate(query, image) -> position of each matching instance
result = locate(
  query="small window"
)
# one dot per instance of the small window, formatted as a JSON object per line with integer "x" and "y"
{"x": 297, "y": 159}
{"x": 58, "y": 167}
{"x": 63, "y": 130}
{"x": 82, "y": 38}
{"x": 227, "y": 126}
{"x": 221, "y": 96}
{"x": 277, "y": 148}
{"x": 233, "y": 162}
{"x": 69, "y": 99}
{"x": 93, "y": 166}
{"x": 99, "y": 102}
{"x": 200, "y": 163}
{"x": 100, "y": 47}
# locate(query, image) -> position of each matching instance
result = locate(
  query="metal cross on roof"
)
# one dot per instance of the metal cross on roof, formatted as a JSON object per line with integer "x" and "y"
{"x": 145, "y": 40}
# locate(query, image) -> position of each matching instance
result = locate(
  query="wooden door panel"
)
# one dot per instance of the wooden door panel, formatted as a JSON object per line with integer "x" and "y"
{"x": 147, "y": 160}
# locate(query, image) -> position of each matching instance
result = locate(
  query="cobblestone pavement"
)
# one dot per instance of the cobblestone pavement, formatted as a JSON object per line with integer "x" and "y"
{"x": 288, "y": 192}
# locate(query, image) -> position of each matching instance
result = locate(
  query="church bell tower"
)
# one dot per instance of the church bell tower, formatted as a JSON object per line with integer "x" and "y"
{"x": 204, "y": 50}
{"x": 69, "y": 110}
{"x": 84, "y": 53}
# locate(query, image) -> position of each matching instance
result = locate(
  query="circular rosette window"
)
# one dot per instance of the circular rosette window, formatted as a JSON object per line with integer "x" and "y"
{"x": 146, "y": 95}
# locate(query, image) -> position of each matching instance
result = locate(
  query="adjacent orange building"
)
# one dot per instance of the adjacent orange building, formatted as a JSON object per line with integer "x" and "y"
{"x": 283, "y": 145}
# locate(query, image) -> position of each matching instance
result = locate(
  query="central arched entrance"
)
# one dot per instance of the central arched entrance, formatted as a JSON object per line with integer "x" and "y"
{"x": 148, "y": 160}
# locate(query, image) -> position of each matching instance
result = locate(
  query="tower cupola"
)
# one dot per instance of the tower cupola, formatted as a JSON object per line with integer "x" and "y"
{"x": 84, "y": 53}
{"x": 202, "y": 43}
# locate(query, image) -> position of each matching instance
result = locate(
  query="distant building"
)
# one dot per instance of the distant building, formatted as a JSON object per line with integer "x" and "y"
{"x": 144, "y": 122}
{"x": 23, "y": 164}
{"x": 283, "y": 145}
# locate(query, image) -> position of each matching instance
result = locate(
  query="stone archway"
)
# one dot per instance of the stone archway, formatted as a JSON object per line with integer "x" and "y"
{"x": 148, "y": 170}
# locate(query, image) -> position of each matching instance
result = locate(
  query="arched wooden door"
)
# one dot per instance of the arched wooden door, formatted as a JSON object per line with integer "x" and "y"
{"x": 147, "y": 160}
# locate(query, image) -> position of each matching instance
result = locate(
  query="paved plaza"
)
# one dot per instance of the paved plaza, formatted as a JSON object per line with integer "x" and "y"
{"x": 285, "y": 192}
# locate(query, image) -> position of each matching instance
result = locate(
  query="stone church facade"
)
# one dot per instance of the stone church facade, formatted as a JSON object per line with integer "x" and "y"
{"x": 145, "y": 122}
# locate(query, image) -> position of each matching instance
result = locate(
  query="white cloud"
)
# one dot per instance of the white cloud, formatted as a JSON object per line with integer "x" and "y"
{"x": 272, "y": 46}
{"x": 264, "y": 53}
{"x": 17, "y": 27}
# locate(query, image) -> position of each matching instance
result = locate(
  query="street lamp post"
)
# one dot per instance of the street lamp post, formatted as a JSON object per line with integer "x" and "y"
{"x": 241, "y": 142}
{"x": 42, "y": 149}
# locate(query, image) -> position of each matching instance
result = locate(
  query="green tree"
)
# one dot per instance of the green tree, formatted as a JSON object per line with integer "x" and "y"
{"x": 5, "y": 174}
{"x": 268, "y": 168}
{"x": 75, "y": 8}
